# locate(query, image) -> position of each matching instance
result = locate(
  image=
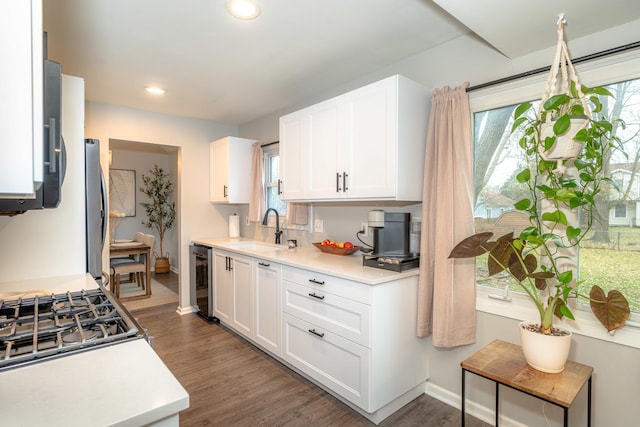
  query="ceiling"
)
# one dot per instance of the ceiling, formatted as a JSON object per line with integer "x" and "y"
{"x": 218, "y": 68}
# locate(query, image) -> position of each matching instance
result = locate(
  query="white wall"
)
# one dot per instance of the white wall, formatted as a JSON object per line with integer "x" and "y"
{"x": 615, "y": 392}
{"x": 51, "y": 242}
{"x": 198, "y": 217}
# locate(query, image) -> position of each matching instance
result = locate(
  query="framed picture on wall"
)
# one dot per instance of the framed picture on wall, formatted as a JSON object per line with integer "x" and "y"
{"x": 122, "y": 191}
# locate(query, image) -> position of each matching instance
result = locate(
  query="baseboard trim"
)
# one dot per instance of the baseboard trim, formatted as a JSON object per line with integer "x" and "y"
{"x": 481, "y": 412}
{"x": 186, "y": 310}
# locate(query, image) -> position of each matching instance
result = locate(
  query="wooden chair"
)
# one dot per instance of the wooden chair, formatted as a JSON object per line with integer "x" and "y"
{"x": 138, "y": 237}
{"x": 136, "y": 269}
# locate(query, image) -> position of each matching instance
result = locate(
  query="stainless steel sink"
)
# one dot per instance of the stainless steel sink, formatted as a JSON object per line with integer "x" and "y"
{"x": 256, "y": 246}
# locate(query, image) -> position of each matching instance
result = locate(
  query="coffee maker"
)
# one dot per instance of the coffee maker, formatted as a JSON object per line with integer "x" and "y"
{"x": 391, "y": 248}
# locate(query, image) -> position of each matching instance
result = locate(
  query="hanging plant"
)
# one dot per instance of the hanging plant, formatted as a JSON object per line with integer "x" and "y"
{"x": 564, "y": 110}
{"x": 540, "y": 258}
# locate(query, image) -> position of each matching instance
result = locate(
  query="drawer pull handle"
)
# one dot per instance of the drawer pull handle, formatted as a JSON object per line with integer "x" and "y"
{"x": 264, "y": 264}
{"x": 313, "y": 294}
{"x": 317, "y": 282}
{"x": 318, "y": 334}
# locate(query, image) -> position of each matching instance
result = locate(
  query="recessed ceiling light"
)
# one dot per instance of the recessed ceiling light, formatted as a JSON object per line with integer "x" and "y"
{"x": 155, "y": 90}
{"x": 243, "y": 9}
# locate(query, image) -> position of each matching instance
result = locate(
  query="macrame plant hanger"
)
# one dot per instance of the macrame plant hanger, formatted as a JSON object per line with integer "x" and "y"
{"x": 561, "y": 75}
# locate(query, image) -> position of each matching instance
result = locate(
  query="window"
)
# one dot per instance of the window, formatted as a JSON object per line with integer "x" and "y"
{"x": 610, "y": 256}
{"x": 272, "y": 179}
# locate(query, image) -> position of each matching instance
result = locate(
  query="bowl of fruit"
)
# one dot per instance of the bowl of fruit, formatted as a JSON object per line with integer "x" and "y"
{"x": 337, "y": 248}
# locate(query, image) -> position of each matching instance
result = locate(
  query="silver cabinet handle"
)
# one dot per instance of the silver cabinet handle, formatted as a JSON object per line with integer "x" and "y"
{"x": 313, "y": 294}
{"x": 316, "y": 333}
{"x": 279, "y": 186}
{"x": 338, "y": 176}
{"x": 264, "y": 264}
{"x": 224, "y": 191}
{"x": 344, "y": 181}
{"x": 317, "y": 282}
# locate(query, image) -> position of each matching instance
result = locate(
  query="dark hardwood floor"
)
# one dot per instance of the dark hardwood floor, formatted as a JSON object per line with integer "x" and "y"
{"x": 232, "y": 383}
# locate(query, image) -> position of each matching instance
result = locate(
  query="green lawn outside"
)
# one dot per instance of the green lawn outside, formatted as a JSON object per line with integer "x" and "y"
{"x": 612, "y": 270}
{"x": 612, "y": 266}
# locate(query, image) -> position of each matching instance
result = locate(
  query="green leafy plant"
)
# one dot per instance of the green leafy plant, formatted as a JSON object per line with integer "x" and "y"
{"x": 539, "y": 258}
{"x": 161, "y": 210}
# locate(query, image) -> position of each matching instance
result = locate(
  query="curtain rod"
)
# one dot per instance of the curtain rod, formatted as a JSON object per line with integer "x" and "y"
{"x": 269, "y": 143}
{"x": 585, "y": 58}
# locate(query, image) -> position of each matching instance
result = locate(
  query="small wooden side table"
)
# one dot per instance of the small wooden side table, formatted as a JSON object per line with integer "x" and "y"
{"x": 504, "y": 363}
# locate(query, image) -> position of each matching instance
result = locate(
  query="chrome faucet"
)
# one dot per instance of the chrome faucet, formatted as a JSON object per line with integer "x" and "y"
{"x": 265, "y": 220}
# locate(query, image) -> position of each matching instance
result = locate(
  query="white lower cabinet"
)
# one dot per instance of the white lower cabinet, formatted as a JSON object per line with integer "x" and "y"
{"x": 357, "y": 340}
{"x": 335, "y": 362}
{"x": 223, "y": 287}
{"x": 266, "y": 331}
{"x": 233, "y": 293}
{"x": 347, "y": 318}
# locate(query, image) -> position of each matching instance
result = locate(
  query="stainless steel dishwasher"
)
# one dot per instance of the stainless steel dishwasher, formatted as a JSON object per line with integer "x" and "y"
{"x": 201, "y": 279}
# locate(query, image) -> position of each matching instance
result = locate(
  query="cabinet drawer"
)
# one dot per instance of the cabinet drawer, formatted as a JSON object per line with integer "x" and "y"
{"x": 344, "y": 317}
{"x": 334, "y": 362}
{"x": 360, "y": 292}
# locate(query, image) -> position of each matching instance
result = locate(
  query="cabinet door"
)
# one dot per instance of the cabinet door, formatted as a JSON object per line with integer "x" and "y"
{"x": 219, "y": 171}
{"x": 267, "y": 310}
{"x": 230, "y": 170}
{"x": 292, "y": 157}
{"x": 370, "y": 140}
{"x": 222, "y": 288}
{"x": 324, "y": 124}
{"x": 242, "y": 295}
{"x": 21, "y": 103}
{"x": 338, "y": 363}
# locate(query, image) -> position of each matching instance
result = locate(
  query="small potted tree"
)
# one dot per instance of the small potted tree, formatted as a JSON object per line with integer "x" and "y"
{"x": 541, "y": 257}
{"x": 160, "y": 210}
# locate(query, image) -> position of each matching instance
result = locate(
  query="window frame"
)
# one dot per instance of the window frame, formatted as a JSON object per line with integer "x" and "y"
{"x": 268, "y": 152}
{"x": 617, "y": 209}
{"x": 608, "y": 70}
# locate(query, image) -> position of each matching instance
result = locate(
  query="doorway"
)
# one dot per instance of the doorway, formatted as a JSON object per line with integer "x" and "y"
{"x": 129, "y": 161}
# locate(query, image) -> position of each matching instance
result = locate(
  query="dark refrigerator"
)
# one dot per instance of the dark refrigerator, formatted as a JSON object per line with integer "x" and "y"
{"x": 96, "y": 209}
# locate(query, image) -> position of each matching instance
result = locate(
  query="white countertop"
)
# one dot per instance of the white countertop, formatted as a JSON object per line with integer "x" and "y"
{"x": 124, "y": 384}
{"x": 49, "y": 284}
{"x": 311, "y": 258}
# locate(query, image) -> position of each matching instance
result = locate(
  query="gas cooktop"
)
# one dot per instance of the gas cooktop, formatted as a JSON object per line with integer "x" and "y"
{"x": 43, "y": 327}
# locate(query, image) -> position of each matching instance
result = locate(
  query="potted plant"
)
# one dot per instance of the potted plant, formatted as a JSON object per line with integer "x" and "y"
{"x": 161, "y": 210}
{"x": 561, "y": 117}
{"x": 540, "y": 257}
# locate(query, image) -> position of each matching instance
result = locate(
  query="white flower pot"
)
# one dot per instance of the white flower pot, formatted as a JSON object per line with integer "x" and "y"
{"x": 546, "y": 353}
{"x": 565, "y": 146}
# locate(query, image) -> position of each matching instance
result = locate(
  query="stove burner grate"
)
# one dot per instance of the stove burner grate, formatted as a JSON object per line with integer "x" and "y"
{"x": 32, "y": 329}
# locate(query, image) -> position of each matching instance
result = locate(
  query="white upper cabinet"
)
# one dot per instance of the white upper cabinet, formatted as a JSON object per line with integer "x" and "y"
{"x": 230, "y": 170}
{"x": 367, "y": 144}
{"x": 294, "y": 157}
{"x": 21, "y": 107}
{"x": 324, "y": 132}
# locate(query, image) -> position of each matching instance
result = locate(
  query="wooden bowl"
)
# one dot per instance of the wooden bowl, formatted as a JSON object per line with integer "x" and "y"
{"x": 335, "y": 250}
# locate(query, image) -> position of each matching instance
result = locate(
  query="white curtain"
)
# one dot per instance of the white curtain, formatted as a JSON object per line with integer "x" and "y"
{"x": 256, "y": 201}
{"x": 447, "y": 293}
